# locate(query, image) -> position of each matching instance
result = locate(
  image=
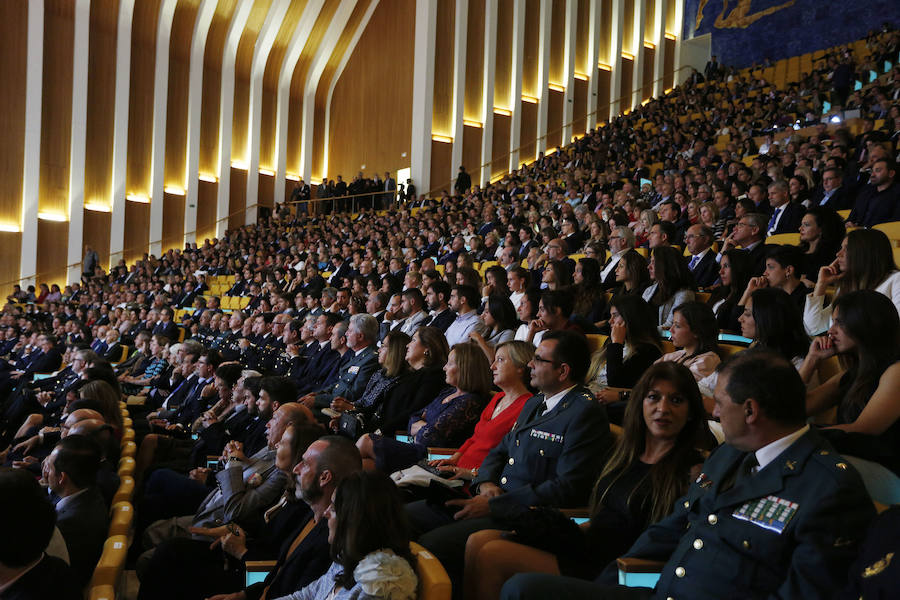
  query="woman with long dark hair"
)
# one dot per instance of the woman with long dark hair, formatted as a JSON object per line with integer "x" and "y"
{"x": 865, "y": 334}
{"x": 369, "y": 536}
{"x": 633, "y": 345}
{"x": 651, "y": 466}
{"x": 821, "y": 231}
{"x": 497, "y": 324}
{"x": 527, "y": 311}
{"x": 695, "y": 333}
{"x": 672, "y": 285}
{"x": 865, "y": 261}
{"x": 588, "y": 289}
{"x": 735, "y": 271}
{"x": 632, "y": 278}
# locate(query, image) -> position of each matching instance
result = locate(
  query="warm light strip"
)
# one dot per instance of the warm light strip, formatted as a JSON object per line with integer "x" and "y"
{"x": 437, "y": 137}
{"x": 472, "y": 123}
{"x": 208, "y": 178}
{"x": 142, "y": 198}
{"x": 292, "y": 176}
{"x": 556, "y": 87}
{"x": 502, "y": 111}
{"x": 52, "y": 216}
{"x": 10, "y": 228}
{"x": 604, "y": 67}
{"x": 650, "y": 45}
{"x": 269, "y": 172}
{"x": 98, "y": 207}
{"x": 581, "y": 76}
{"x": 670, "y": 36}
{"x": 239, "y": 164}
{"x": 174, "y": 190}
{"x": 646, "y": 102}
{"x": 628, "y": 55}
{"x": 529, "y": 99}
{"x": 668, "y": 91}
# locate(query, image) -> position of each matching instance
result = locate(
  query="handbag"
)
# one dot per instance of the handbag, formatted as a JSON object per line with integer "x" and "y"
{"x": 351, "y": 425}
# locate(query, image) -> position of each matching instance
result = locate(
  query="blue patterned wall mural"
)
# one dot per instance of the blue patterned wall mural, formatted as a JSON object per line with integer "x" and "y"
{"x": 748, "y": 31}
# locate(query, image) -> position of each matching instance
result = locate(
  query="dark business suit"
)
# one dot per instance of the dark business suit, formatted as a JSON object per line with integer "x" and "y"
{"x": 443, "y": 320}
{"x": 50, "y": 578}
{"x": 789, "y": 221}
{"x": 706, "y": 271}
{"x": 83, "y": 521}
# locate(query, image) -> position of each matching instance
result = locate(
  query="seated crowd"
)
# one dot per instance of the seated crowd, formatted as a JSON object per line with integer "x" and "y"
{"x": 462, "y": 371}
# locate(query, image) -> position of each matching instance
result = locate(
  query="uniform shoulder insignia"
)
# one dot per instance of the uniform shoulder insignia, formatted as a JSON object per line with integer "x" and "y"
{"x": 878, "y": 566}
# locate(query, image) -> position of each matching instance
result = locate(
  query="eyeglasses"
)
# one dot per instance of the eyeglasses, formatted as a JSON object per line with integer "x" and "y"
{"x": 539, "y": 359}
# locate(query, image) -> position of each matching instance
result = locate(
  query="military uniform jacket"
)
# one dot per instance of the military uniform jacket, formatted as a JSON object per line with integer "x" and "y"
{"x": 789, "y": 531}
{"x": 550, "y": 459}
{"x": 353, "y": 379}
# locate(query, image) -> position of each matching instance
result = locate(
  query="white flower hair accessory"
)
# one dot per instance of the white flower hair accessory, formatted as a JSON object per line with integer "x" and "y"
{"x": 383, "y": 574}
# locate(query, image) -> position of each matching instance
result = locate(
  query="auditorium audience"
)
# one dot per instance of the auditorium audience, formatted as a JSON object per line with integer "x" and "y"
{"x": 318, "y": 295}
{"x": 656, "y": 457}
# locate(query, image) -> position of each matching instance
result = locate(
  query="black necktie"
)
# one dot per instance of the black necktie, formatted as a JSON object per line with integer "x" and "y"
{"x": 744, "y": 470}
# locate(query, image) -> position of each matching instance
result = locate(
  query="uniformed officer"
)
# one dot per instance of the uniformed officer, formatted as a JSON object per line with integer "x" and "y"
{"x": 550, "y": 457}
{"x": 776, "y": 512}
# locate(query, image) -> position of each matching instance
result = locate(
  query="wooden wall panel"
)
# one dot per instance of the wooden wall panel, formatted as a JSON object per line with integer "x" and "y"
{"x": 212, "y": 81}
{"x": 13, "y": 51}
{"x": 371, "y": 112}
{"x": 140, "y": 99}
{"x": 528, "y": 132}
{"x": 504, "y": 66}
{"x": 647, "y": 80}
{"x": 270, "y": 83}
{"x": 298, "y": 84}
{"x": 51, "y": 252}
{"x": 239, "y": 121}
{"x": 649, "y": 17}
{"x": 474, "y": 62}
{"x": 442, "y": 109}
{"x": 558, "y": 43}
{"x": 441, "y": 155}
{"x": 606, "y": 32}
{"x": 555, "y": 101}
{"x": 56, "y": 108}
{"x": 100, "y": 106}
{"x": 669, "y": 64}
{"x": 238, "y": 198}
{"x": 530, "y": 57}
{"x": 627, "y": 77}
{"x": 603, "y": 88}
{"x": 137, "y": 230}
{"x": 579, "y": 106}
{"x": 628, "y": 29}
{"x": 177, "y": 101}
{"x": 500, "y": 146}
{"x": 173, "y": 223}
{"x": 96, "y": 233}
{"x": 582, "y": 32}
{"x": 12, "y": 252}
{"x": 472, "y": 150}
{"x": 319, "y": 156}
{"x": 265, "y": 190}
{"x": 206, "y": 211}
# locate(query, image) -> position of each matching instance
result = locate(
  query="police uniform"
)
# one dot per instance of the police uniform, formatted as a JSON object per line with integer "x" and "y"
{"x": 553, "y": 458}
{"x": 791, "y": 530}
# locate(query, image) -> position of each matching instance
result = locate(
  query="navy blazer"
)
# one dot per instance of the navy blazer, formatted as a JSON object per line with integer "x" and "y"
{"x": 83, "y": 522}
{"x": 725, "y": 554}
{"x": 706, "y": 272}
{"x": 551, "y": 459}
{"x": 353, "y": 380}
{"x": 791, "y": 215}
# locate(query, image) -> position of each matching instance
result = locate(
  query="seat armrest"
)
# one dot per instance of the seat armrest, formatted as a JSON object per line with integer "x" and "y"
{"x": 639, "y": 565}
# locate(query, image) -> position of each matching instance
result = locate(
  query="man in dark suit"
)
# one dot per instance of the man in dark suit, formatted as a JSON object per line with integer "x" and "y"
{"x": 527, "y": 243}
{"x": 325, "y": 464}
{"x": 362, "y": 334}
{"x": 702, "y": 263}
{"x": 341, "y": 269}
{"x": 166, "y": 326}
{"x": 437, "y": 296}
{"x": 27, "y": 519}
{"x": 832, "y": 194}
{"x": 775, "y": 513}
{"x": 786, "y": 215}
{"x": 621, "y": 240}
{"x": 712, "y": 69}
{"x": 550, "y": 457}
{"x": 463, "y": 181}
{"x": 748, "y": 234}
{"x": 878, "y": 202}
{"x": 82, "y": 518}
{"x": 390, "y": 189}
